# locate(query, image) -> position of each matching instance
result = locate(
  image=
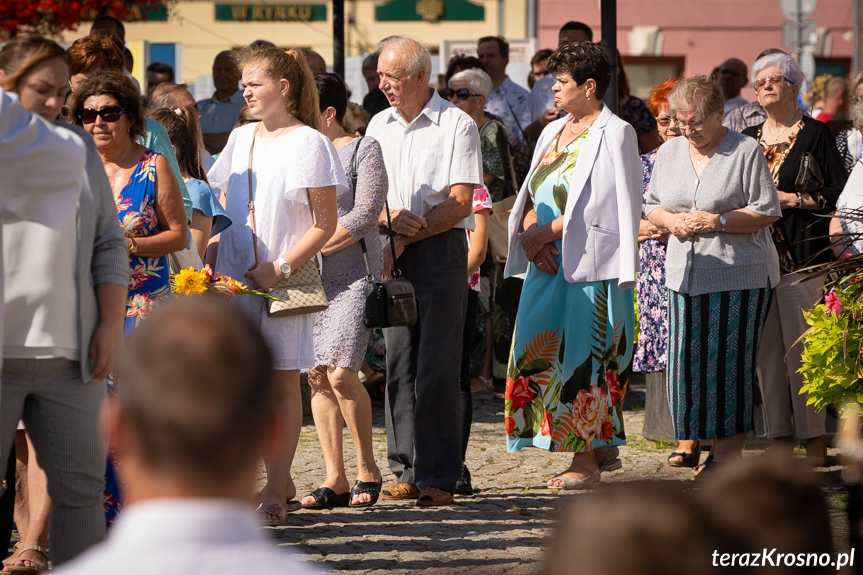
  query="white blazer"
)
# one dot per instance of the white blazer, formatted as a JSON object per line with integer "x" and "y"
{"x": 603, "y": 208}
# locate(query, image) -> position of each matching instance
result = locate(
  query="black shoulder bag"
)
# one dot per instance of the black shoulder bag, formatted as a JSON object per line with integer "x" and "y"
{"x": 389, "y": 303}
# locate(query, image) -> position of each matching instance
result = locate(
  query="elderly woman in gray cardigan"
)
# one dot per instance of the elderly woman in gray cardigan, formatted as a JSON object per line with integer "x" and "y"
{"x": 713, "y": 192}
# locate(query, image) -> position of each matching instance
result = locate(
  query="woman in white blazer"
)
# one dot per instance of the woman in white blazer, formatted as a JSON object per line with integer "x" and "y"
{"x": 573, "y": 231}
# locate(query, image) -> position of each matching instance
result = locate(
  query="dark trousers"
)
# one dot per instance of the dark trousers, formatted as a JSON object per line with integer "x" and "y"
{"x": 465, "y": 399}
{"x": 423, "y": 365}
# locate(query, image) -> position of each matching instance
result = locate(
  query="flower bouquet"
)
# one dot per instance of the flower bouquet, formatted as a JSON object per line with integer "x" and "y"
{"x": 832, "y": 361}
{"x": 191, "y": 281}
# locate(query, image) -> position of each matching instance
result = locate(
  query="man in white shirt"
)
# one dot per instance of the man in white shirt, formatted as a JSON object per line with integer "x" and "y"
{"x": 42, "y": 168}
{"x": 220, "y": 113}
{"x": 433, "y": 161}
{"x": 732, "y": 77}
{"x": 195, "y": 409}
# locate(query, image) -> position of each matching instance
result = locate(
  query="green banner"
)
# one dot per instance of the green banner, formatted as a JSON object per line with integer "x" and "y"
{"x": 429, "y": 11}
{"x": 149, "y": 13}
{"x": 271, "y": 13}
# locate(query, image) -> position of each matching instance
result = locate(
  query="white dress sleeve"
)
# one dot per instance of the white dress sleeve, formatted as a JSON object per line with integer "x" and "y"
{"x": 321, "y": 168}
{"x": 220, "y": 173}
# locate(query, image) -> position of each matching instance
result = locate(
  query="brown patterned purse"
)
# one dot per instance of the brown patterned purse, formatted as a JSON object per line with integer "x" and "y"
{"x": 301, "y": 292}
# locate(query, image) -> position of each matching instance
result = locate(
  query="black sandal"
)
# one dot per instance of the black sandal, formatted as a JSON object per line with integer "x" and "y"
{"x": 372, "y": 487}
{"x": 326, "y": 498}
{"x": 686, "y": 459}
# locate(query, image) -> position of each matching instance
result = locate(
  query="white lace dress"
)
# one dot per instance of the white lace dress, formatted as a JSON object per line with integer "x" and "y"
{"x": 283, "y": 169}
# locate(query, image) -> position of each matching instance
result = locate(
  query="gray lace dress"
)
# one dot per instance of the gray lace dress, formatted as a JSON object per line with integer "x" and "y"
{"x": 340, "y": 337}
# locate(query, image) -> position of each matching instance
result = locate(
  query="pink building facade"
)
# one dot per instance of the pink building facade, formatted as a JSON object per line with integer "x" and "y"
{"x": 661, "y": 38}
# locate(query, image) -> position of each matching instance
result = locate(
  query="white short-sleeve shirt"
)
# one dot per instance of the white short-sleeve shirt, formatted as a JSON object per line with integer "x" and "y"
{"x": 425, "y": 157}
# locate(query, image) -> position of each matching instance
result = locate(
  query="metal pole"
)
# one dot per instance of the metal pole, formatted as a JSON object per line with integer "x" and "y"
{"x": 798, "y": 37}
{"x": 531, "y": 18}
{"x": 608, "y": 12}
{"x": 500, "y": 18}
{"x": 339, "y": 37}
{"x": 857, "y": 56}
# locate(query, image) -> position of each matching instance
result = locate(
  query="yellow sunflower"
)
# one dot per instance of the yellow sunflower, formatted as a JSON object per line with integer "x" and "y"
{"x": 188, "y": 282}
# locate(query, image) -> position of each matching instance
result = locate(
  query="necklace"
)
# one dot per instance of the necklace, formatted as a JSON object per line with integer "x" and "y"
{"x": 279, "y": 133}
{"x": 782, "y": 131}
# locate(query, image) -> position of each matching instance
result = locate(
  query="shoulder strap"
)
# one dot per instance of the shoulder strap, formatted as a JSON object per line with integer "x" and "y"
{"x": 251, "y": 204}
{"x": 396, "y": 271}
{"x": 354, "y": 176}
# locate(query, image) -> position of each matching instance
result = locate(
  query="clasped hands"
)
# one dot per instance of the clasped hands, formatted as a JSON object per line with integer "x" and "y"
{"x": 539, "y": 248}
{"x": 686, "y": 224}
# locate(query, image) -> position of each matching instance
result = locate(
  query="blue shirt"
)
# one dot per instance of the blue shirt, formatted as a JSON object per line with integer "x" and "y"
{"x": 218, "y": 116}
{"x": 205, "y": 200}
{"x": 157, "y": 139}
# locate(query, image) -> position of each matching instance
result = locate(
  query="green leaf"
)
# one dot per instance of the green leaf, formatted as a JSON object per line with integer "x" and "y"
{"x": 534, "y": 367}
{"x": 560, "y": 195}
{"x": 562, "y": 346}
{"x": 580, "y": 379}
{"x": 621, "y": 345}
{"x": 532, "y": 420}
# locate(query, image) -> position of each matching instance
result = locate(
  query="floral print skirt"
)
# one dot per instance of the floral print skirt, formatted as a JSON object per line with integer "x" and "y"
{"x": 570, "y": 361}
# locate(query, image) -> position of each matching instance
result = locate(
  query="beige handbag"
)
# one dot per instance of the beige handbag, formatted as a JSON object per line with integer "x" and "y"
{"x": 301, "y": 292}
{"x": 498, "y": 229}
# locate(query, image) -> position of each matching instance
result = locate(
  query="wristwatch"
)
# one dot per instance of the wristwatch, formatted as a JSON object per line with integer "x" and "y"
{"x": 284, "y": 267}
{"x": 799, "y": 201}
{"x": 133, "y": 247}
{"x": 722, "y": 221}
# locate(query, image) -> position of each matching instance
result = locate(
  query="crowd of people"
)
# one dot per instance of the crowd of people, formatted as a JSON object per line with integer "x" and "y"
{"x": 531, "y": 225}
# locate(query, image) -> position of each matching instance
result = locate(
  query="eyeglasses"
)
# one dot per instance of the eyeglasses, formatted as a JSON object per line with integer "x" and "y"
{"x": 108, "y": 113}
{"x": 728, "y": 72}
{"x": 462, "y": 94}
{"x": 775, "y": 79}
{"x": 694, "y": 126}
{"x": 664, "y": 121}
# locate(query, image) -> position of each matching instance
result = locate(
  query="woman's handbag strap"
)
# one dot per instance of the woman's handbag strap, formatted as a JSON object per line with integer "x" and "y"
{"x": 251, "y": 204}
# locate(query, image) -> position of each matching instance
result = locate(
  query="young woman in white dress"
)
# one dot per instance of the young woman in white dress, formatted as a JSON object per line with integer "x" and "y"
{"x": 295, "y": 176}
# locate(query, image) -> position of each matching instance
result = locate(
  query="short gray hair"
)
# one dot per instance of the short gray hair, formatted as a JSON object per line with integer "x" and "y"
{"x": 857, "y": 116}
{"x": 786, "y": 64}
{"x": 478, "y": 81}
{"x": 370, "y": 62}
{"x": 698, "y": 93}
{"x": 417, "y": 56}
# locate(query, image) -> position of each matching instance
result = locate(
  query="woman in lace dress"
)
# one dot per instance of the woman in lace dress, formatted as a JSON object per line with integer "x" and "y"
{"x": 295, "y": 177}
{"x": 341, "y": 338}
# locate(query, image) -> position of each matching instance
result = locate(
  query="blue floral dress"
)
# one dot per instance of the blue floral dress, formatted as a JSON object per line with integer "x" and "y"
{"x": 572, "y": 343}
{"x": 650, "y": 351}
{"x": 149, "y": 281}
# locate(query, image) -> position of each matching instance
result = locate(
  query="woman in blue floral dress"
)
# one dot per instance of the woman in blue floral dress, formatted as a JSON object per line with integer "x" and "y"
{"x": 149, "y": 205}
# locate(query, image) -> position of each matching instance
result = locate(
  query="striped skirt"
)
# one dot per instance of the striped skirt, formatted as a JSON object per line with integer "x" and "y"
{"x": 713, "y": 342}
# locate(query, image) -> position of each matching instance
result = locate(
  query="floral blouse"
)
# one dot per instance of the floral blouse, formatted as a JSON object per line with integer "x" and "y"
{"x": 481, "y": 201}
{"x": 650, "y": 350}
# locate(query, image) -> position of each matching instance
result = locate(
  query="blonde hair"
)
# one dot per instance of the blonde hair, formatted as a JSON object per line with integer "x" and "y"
{"x": 290, "y": 65}
{"x": 22, "y": 54}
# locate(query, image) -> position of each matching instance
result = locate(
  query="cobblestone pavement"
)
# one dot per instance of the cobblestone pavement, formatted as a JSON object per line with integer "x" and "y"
{"x": 502, "y": 528}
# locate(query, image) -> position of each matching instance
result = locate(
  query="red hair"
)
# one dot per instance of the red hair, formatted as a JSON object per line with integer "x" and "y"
{"x": 659, "y": 95}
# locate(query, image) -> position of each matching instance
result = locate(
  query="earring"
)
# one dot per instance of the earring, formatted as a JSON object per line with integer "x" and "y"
{"x": 328, "y": 124}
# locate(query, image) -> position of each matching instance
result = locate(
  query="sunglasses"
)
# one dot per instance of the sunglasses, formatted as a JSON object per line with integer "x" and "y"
{"x": 664, "y": 121}
{"x": 462, "y": 94}
{"x": 108, "y": 113}
{"x": 775, "y": 79}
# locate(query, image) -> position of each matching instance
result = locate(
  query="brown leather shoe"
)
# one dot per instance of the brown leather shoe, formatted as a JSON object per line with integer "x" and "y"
{"x": 433, "y": 496}
{"x": 400, "y": 491}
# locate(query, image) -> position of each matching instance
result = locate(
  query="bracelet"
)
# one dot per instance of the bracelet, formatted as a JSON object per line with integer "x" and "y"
{"x": 799, "y": 202}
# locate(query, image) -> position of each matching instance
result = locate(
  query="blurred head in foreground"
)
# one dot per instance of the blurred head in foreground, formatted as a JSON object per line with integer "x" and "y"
{"x": 748, "y": 509}
{"x": 195, "y": 401}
